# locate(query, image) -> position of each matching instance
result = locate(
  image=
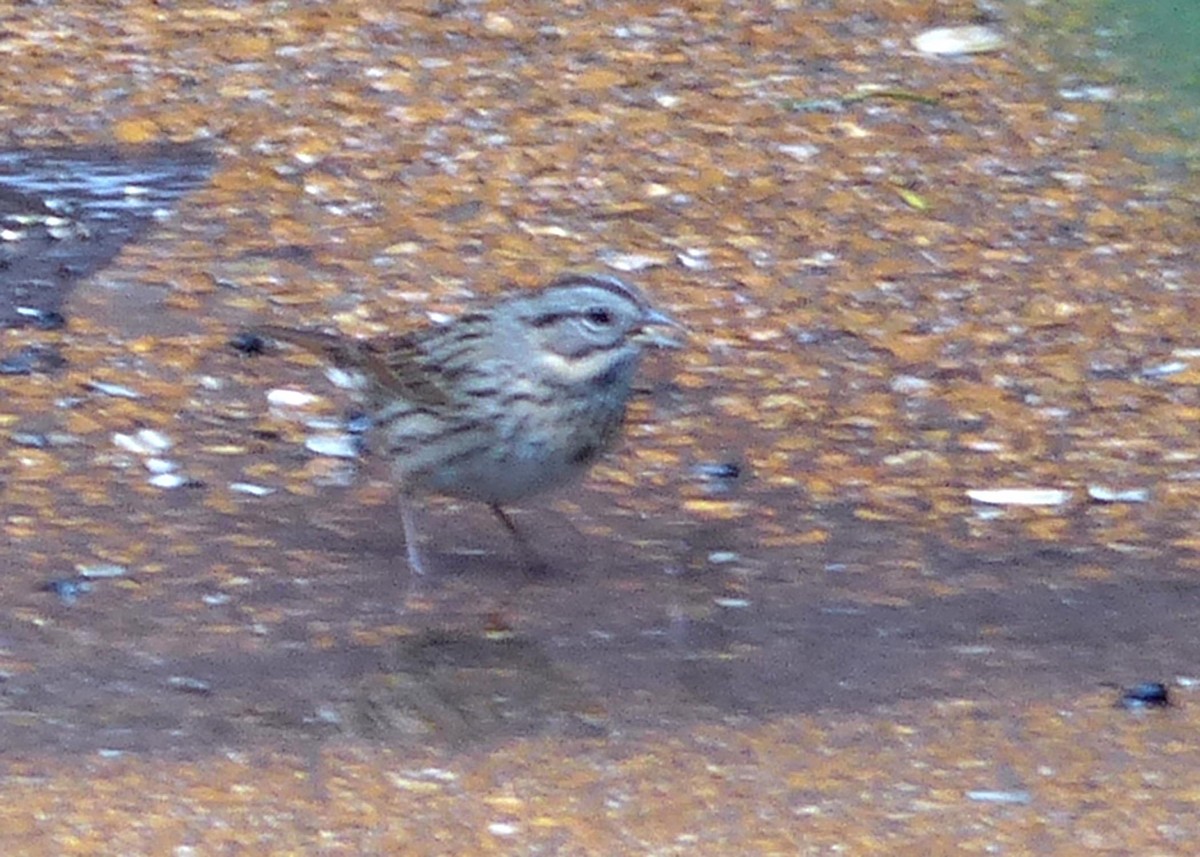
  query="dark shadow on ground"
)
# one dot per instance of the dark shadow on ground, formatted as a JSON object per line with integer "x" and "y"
{"x": 481, "y": 654}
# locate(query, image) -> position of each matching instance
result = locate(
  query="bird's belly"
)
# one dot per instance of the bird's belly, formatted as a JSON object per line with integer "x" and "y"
{"x": 522, "y": 449}
{"x": 522, "y": 465}
{"x": 506, "y": 481}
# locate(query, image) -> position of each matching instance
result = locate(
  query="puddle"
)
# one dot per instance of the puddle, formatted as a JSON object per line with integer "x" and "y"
{"x": 65, "y": 213}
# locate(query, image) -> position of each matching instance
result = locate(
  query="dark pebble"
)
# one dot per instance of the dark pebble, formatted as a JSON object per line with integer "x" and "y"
{"x": 1148, "y": 694}
{"x": 16, "y": 364}
{"x": 30, "y": 439}
{"x": 68, "y": 589}
{"x": 248, "y": 342}
{"x": 719, "y": 470}
{"x": 30, "y": 359}
{"x": 43, "y": 319}
{"x": 719, "y": 477}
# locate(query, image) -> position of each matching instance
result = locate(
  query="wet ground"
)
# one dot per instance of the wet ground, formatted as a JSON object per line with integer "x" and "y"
{"x": 777, "y": 621}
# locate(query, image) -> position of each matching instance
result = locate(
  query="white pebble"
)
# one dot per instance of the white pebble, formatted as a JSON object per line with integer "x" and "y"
{"x": 1172, "y": 368}
{"x": 909, "y": 384}
{"x": 155, "y": 440}
{"x": 251, "y": 489}
{"x": 116, "y": 390}
{"x": 630, "y": 262}
{"x": 168, "y": 480}
{"x": 1018, "y": 796}
{"x": 333, "y": 445}
{"x": 799, "y": 151}
{"x": 142, "y": 442}
{"x": 503, "y": 828}
{"x": 973, "y": 39}
{"x": 282, "y": 398}
{"x": 324, "y": 424}
{"x": 128, "y": 443}
{"x": 440, "y": 774}
{"x": 345, "y": 379}
{"x": 1090, "y": 93}
{"x": 1102, "y": 494}
{"x": 695, "y": 259}
{"x": 160, "y": 465}
{"x": 1020, "y": 496}
{"x": 100, "y": 570}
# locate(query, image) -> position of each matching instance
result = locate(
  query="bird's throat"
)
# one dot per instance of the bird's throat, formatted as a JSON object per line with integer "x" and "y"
{"x": 602, "y": 367}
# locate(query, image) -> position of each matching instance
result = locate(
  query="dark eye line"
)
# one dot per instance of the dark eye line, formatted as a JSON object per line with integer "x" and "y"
{"x": 548, "y": 319}
{"x": 596, "y": 315}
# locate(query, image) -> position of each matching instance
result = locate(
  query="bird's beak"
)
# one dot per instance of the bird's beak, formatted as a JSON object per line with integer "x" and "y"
{"x": 660, "y": 339}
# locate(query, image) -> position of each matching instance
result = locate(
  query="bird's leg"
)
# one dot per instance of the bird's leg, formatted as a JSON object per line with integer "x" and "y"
{"x": 408, "y": 520}
{"x": 535, "y": 566}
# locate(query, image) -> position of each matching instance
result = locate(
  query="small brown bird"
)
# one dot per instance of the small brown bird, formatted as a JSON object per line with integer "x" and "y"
{"x": 503, "y": 402}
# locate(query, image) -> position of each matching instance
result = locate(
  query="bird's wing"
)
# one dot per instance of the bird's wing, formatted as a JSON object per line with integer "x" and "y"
{"x": 395, "y": 366}
{"x": 401, "y": 366}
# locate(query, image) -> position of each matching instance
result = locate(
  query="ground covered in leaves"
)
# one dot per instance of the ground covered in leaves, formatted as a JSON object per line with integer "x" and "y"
{"x": 795, "y": 627}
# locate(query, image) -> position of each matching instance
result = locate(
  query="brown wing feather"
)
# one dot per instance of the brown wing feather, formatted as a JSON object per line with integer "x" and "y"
{"x": 394, "y": 366}
{"x": 403, "y": 360}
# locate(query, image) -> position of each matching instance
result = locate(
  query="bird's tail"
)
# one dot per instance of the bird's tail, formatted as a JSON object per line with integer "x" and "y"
{"x": 341, "y": 352}
{"x": 365, "y": 366}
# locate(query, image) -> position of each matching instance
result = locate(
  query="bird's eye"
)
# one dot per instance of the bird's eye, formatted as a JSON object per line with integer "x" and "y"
{"x": 599, "y": 316}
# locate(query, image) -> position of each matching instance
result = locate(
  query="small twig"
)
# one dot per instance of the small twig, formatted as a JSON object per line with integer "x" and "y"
{"x": 833, "y": 105}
